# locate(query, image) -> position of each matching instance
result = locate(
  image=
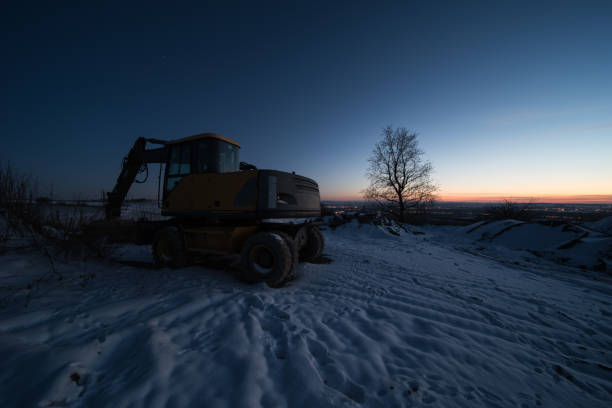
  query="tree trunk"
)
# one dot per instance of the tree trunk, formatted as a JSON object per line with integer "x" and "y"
{"x": 401, "y": 209}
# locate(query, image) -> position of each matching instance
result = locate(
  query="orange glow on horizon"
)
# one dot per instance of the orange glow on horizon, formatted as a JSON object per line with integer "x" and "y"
{"x": 545, "y": 198}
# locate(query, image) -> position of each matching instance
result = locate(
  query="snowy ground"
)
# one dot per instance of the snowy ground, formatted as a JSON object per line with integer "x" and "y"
{"x": 410, "y": 320}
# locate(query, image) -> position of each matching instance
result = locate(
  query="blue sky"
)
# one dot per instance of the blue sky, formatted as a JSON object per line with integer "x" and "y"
{"x": 509, "y": 98}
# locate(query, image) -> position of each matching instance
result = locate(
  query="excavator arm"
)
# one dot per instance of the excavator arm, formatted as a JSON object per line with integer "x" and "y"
{"x": 132, "y": 163}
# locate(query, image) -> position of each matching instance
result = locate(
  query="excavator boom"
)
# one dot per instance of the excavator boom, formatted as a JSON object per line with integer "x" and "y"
{"x": 135, "y": 159}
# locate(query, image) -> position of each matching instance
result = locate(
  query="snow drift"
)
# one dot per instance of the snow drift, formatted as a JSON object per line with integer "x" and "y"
{"x": 566, "y": 244}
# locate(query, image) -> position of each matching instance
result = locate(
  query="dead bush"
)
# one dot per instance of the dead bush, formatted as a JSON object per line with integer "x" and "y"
{"x": 41, "y": 222}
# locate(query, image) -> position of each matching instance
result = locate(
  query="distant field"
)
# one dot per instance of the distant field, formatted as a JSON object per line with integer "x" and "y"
{"x": 465, "y": 213}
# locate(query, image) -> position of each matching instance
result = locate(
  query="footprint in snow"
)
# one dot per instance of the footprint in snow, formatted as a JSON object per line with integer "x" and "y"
{"x": 254, "y": 301}
{"x": 274, "y": 311}
{"x": 277, "y": 325}
{"x": 428, "y": 398}
{"x": 331, "y": 375}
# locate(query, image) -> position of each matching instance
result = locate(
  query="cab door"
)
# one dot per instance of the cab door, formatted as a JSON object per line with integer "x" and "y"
{"x": 179, "y": 166}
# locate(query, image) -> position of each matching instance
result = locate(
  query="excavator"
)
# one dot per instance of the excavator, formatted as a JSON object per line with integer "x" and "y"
{"x": 217, "y": 204}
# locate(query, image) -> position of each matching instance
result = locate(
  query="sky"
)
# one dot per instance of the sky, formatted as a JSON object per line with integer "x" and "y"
{"x": 509, "y": 98}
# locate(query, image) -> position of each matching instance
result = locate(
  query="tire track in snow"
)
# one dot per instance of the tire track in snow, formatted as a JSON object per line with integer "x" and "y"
{"x": 488, "y": 310}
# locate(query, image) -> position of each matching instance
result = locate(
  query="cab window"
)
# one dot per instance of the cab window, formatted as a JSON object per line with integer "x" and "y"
{"x": 205, "y": 155}
{"x": 179, "y": 164}
{"x": 216, "y": 156}
{"x": 180, "y": 160}
{"x": 228, "y": 158}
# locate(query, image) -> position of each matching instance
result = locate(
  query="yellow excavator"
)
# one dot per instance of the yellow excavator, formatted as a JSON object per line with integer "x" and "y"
{"x": 218, "y": 204}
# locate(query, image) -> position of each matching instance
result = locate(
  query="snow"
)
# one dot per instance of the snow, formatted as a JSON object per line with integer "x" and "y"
{"x": 518, "y": 241}
{"x": 394, "y": 320}
{"x": 604, "y": 225}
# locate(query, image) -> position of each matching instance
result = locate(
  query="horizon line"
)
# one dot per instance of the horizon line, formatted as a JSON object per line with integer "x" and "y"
{"x": 484, "y": 198}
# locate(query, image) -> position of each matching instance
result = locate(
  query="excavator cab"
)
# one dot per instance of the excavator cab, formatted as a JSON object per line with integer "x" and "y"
{"x": 204, "y": 180}
{"x": 200, "y": 154}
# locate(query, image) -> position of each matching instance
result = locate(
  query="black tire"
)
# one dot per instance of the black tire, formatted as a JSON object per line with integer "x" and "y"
{"x": 293, "y": 250}
{"x": 169, "y": 248}
{"x": 314, "y": 245}
{"x": 266, "y": 257}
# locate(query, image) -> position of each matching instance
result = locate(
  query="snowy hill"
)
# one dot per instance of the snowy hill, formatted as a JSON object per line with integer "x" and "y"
{"x": 519, "y": 241}
{"x": 408, "y": 320}
{"x": 604, "y": 225}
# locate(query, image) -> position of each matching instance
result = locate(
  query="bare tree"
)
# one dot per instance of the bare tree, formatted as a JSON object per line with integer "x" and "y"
{"x": 509, "y": 209}
{"x": 397, "y": 173}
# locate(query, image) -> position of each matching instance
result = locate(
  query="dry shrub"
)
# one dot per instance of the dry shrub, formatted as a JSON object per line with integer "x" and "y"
{"x": 44, "y": 224}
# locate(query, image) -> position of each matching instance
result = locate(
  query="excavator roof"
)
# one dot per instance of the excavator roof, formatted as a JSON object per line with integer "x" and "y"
{"x": 204, "y": 136}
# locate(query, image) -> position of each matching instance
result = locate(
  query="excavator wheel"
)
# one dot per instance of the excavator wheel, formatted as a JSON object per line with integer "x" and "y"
{"x": 314, "y": 245}
{"x": 266, "y": 257}
{"x": 293, "y": 250}
{"x": 169, "y": 248}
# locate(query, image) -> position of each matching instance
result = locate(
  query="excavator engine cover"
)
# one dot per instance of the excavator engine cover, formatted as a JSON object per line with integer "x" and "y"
{"x": 243, "y": 196}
